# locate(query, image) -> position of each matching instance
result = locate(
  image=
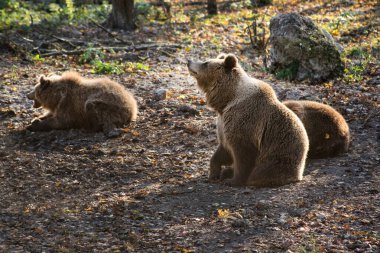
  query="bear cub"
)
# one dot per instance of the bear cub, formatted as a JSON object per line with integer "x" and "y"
{"x": 75, "y": 102}
{"x": 328, "y": 132}
{"x": 262, "y": 139}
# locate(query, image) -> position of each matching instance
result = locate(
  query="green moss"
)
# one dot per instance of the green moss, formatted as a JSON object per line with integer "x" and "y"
{"x": 288, "y": 73}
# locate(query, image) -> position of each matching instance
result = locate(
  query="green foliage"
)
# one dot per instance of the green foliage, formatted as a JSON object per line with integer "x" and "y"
{"x": 53, "y": 7}
{"x": 22, "y": 14}
{"x": 357, "y": 52}
{"x": 239, "y": 5}
{"x": 14, "y": 14}
{"x": 144, "y": 8}
{"x": 97, "y": 12}
{"x": 38, "y": 58}
{"x": 354, "y": 73}
{"x": 342, "y": 20}
{"x": 357, "y": 59}
{"x": 91, "y": 55}
{"x": 7, "y": 3}
{"x": 101, "y": 67}
{"x": 133, "y": 66}
{"x": 146, "y": 12}
{"x": 95, "y": 57}
{"x": 69, "y": 10}
{"x": 288, "y": 73}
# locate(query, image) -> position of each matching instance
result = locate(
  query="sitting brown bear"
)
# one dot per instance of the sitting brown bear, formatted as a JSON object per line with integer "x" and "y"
{"x": 264, "y": 140}
{"x": 76, "y": 102}
{"x": 326, "y": 128}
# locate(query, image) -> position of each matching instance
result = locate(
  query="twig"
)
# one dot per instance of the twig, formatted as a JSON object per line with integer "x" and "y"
{"x": 248, "y": 28}
{"x": 109, "y": 32}
{"x": 42, "y": 43}
{"x": 130, "y": 48}
{"x": 63, "y": 40}
{"x": 26, "y": 39}
{"x": 167, "y": 53}
{"x": 31, "y": 20}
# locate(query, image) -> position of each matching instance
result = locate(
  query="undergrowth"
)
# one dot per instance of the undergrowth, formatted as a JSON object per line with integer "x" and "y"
{"x": 352, "y": 25}
{"x": 15, "y": 14}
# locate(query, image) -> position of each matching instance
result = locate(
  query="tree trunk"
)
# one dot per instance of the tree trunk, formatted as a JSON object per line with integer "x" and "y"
{"x": 260, "y": 3}
{"x": 212, "y": 7}
{"x": 122, "y": 15}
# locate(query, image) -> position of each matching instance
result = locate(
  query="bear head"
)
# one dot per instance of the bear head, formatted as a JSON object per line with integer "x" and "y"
{"x": 49, "y": 90}
{"x": 37, "y": 93}
{"x": 212, "y": 72}
{"x": 219, "y": 79}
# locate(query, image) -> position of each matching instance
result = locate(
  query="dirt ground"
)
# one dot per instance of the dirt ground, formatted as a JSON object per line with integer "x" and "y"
{"x": 147, "y": 191}
{"x": 71, "y": 191}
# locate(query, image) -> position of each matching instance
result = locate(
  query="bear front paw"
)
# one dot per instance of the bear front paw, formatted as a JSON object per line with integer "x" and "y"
{"x": 213, "y": 177}
{"x": 232, "y": 182}
{"x": 227, "y": 173}
{"x": 38, "y": 125}
{"x": 35, "y": 126}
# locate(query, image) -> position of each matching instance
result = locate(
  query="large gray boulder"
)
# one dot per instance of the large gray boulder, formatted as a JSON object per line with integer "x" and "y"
{"x": 302, "y": 51}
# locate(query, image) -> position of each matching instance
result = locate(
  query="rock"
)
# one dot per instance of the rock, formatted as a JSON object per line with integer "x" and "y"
{"x": 239, "y": 223}
{"x": 302, "y": 51}
{"x": 295, "y": 94}
{"x": 283, "y": 218}
{"x": 114, "y": 133}
{"x": 160, "y": 94}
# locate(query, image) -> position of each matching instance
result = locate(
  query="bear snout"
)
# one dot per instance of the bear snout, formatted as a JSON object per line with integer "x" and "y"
{"x": 189, "y": 63}
{"x": 192, "y": 67}
{"x": 30, "y": 95}
{"x": 36, "y": 104}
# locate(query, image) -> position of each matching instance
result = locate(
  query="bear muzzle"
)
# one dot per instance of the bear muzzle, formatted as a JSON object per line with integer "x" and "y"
{"x": 193, "y": 67}
{"x": 31, "y": 96}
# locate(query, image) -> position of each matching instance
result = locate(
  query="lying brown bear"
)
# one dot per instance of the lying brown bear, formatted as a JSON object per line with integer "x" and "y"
{"x": 264, "y": 140}
{"x": 326, "y": 128}
{"x": 76, "y": 102}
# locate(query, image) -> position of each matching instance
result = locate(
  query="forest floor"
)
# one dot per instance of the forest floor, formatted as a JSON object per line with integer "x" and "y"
{"x": 147, "y": 191}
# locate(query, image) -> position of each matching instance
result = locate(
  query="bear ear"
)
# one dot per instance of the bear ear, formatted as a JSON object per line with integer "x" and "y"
{"x": 221, "y": 56}
{"x": 44, "y": 81}
{"x": 230, "y": 61}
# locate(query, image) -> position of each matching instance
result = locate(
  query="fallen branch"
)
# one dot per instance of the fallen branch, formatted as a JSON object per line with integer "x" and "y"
{"x": 167, "y": 53}
{"x": 192, "y": 3}
{"x": 116, "y": 49}
{"x": 110, "y": 33}
{"x": 63, "y": 40}
{"x": 43, "y": 44}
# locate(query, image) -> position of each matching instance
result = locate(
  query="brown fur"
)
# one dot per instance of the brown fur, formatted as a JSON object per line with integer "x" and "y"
{"x": 76, "y": 102}
{"x": 326, "y": 128}
{"x": 264, "y": 141}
